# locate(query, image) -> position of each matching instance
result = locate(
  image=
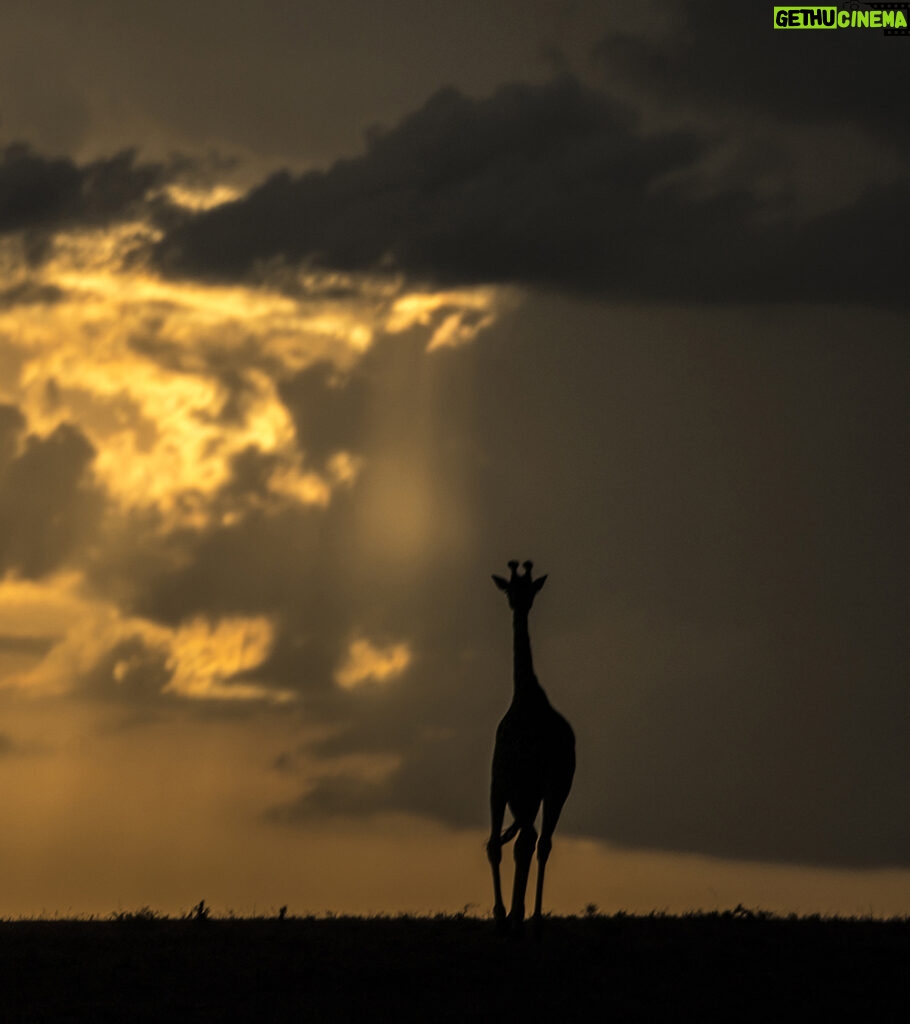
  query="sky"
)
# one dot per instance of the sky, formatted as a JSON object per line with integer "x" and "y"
{"x": 314, "y": 315}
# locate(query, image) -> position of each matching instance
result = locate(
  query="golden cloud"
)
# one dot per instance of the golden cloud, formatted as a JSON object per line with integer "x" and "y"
{"x": 367, "y": 663}
{"x": 203, "y": 657}
{"x": 454, "y": 317}
{"x": 171, "y": 380}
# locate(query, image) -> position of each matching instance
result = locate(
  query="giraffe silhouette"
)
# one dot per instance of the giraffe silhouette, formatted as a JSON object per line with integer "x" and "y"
{"x": 533, "y": 761}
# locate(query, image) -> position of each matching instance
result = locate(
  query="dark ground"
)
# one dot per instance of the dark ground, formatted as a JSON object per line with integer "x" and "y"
{"x": 736, "y": 966}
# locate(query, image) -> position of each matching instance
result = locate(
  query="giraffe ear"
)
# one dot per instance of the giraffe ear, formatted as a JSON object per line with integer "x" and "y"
{"x": 539, "y": 582}
{"x": 500, "y": 582}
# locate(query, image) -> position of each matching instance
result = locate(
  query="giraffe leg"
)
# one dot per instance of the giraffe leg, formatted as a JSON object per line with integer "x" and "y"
{"x": 494, "y": 854}
{"x": 524, "y": 851}
{"x": 551, "y": 812}
{"x": 543, "y": 853}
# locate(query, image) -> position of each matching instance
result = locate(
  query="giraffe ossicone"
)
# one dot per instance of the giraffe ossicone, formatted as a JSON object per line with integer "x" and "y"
{"x": 533, "y": 761}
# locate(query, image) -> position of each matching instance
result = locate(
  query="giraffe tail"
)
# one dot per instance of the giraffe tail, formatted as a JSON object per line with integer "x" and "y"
{"x": 509, "y": 834}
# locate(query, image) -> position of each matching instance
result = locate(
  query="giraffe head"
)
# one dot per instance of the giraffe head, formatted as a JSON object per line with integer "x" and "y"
{"x": 519, "y": 587}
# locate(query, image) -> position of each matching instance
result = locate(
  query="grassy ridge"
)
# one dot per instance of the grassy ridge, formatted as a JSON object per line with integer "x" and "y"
{"x": 736, "y": 966}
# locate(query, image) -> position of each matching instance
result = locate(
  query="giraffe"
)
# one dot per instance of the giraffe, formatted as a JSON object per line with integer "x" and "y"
{"x": 533, "y": 762}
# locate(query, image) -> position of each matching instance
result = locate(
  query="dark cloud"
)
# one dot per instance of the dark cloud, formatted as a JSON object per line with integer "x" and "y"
{"x": 328, "y": 409}
{"x": 229, "y": 570}
{"x": 48, "y": 508}
{"x": 443, "y": 779}
{"x": 456, "y": 189}
{"x": 445, "y": 755}
{"x": 550, "y": 185}
{"x": 727, "y": 58}
{"x": 130, "y": 672}
{"x": 40, "y": 195}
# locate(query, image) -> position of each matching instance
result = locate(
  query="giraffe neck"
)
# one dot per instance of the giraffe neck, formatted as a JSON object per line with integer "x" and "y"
{"x": 526, "y": 684}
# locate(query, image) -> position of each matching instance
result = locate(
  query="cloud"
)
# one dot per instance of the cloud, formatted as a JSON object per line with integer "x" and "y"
{"x": 328, "y": 409}
{"x": 461, "y": 190}
{"x": 181, "y": 399}
{"x": 443, "y": 778}
{"x": 49, "y": 507}
{"x": 726, "y": 58}
{"x": 41, "y": 195}
{"x": 206, "y": 660}
{"x": 551, "y": 185}
{"x": 367, "y": 663}
{"x": 180, "y": 384}
{"x": 71, "y": 641}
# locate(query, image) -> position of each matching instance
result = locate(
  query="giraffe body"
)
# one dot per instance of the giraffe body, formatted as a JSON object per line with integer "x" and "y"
{"x": 533, "y": 762}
